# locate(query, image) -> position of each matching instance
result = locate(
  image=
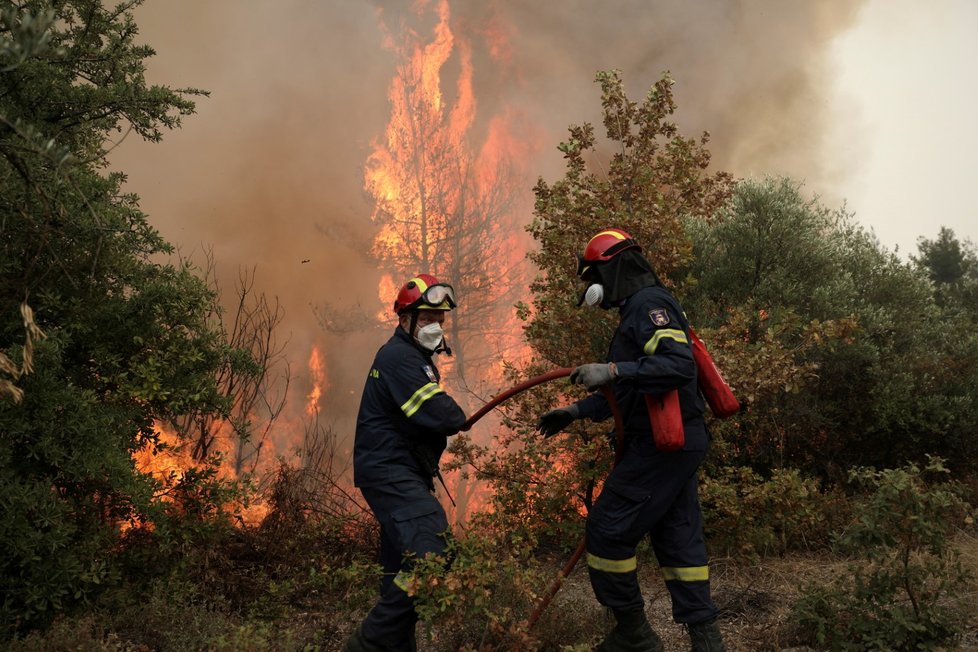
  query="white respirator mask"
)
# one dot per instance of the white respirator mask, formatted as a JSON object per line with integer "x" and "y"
{"x": 430, "y": 336}
{"x": 594, "y": 294}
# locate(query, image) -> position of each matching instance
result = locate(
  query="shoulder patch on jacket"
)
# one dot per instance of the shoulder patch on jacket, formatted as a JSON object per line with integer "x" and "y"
{"x": 430, "y": 373}
{"x": 659, "y": 317}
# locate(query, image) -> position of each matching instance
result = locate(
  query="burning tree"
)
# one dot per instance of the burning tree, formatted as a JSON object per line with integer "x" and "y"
{"x": 444, "y": 204}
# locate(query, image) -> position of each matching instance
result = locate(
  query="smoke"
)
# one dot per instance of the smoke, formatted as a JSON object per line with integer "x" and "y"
{"x": 754, "y": 74}
{"x": 270, "y": 171}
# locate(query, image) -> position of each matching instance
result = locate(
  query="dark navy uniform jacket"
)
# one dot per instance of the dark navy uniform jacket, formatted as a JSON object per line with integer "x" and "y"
{"x": 652, "y": 352}
{"x": 405, "y": 417}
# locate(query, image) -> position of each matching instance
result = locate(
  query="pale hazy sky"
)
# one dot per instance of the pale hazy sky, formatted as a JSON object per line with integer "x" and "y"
{"x": 907, "y": 70}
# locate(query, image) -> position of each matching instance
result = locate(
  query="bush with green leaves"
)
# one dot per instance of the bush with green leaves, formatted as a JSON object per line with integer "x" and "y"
{"x": 748, "y": 516}
{"x": 127, "y": 338}
{"x": 484, "y": 596}
{"x": 839, "y": 350}
{"x": 900, "y": 591}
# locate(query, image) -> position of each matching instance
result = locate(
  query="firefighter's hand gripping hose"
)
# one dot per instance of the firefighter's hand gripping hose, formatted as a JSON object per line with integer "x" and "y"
{"x": 619, "y": 449}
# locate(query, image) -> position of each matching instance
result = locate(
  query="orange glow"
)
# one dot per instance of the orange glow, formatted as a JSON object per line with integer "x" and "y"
{"x": 169, "y": 463}
{"x": 449, "y": 204}
{"x": 387, "y": 291}
{"x": 172, "y": 461}
{"x": 318, "y": 372}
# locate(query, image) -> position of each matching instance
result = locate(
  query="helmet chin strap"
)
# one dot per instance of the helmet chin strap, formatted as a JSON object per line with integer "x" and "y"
{"x": 443, "y": 348}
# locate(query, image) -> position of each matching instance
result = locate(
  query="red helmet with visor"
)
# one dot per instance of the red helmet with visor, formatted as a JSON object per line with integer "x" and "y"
{"x": 603, "y": 247}
{"x": 424, "y": 292}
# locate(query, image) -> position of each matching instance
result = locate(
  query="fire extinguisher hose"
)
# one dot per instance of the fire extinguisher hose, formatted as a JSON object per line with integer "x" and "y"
{"x": 619, "y": 450}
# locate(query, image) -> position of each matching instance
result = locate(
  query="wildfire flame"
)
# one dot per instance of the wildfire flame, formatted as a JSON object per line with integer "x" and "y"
{"x": 446, "y": 204}
{"x": 318, "y": 372}
{"x": 173, "y": 458}
{"x": 169, "y": 463}
{"x": 413, "y": 173}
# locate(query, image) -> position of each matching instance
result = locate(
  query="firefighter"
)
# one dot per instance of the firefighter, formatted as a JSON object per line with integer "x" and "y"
{"x": 402, "y": 428}
{"x": 649, "y": 491}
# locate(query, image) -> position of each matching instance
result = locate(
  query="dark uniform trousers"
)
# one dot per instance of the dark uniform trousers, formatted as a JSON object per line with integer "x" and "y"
{"x": 651, "y": 493}
{"x": 412, "y": 523}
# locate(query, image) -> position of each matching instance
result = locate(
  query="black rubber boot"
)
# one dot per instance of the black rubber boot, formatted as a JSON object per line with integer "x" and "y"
{"x": 633, "y": 633}
{"x": 706, "y": 637}
{"x": 357, "y": 643}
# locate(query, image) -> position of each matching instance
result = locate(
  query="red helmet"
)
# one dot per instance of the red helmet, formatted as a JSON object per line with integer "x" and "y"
{"x": 424, "y": 292}
{"x": 603, "y": 247}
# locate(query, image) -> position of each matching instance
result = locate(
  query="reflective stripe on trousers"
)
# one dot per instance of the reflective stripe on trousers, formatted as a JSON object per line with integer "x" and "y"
{"x": 656, "y": 496}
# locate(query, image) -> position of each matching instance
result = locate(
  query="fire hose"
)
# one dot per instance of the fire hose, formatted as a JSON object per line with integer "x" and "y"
{"x": 619, "y": 449}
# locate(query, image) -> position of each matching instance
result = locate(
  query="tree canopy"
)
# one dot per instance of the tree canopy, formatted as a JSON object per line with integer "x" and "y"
{"x": 654, "y": 177}
{"x": 115, "y": 339}
{"x": 839, "y": 348}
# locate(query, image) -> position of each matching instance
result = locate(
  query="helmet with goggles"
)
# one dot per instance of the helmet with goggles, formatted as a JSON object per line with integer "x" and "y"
{"x": 603, "y": 247}
{"x": 424, "y": 292}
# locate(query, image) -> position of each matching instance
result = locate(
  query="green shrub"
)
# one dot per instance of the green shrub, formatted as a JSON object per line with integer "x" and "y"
{"x": 748, "y": 516}
{"x": 483, "y": 597}
{"x": 899, "y": 595}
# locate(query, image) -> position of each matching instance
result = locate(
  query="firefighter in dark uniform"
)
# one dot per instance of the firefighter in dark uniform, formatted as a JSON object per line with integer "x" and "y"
{"x": 649, "y": 492}
{"x": 404, "y": 421}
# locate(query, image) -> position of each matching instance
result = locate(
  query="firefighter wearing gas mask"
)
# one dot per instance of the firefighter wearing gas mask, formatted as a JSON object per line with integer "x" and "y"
{"x": 402, "y": 428}
{"x": 649, "y": 492}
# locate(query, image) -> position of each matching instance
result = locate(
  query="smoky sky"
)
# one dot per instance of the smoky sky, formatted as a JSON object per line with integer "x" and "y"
{"x": 269, "y": 172}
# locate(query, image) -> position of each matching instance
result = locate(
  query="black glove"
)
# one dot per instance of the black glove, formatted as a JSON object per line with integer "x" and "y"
{"x": 556, "y": 420}
{"x": 594, "y": 375}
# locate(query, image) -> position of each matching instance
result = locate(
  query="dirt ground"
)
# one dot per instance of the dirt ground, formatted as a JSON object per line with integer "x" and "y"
{"x": 755, "y": 602}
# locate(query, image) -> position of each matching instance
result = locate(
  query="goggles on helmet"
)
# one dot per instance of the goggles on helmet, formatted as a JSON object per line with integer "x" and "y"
{"x": 436, "y": 295}
{"x": 424, "y": 292}
{"x": 440, "y": 296}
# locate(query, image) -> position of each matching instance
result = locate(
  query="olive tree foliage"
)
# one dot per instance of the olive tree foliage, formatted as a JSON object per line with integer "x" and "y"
{"x": 126, "y": 339}
{"x": 644, "y": 177}
{"x": 654, "y": 178}
{"x": 952, "y": 266}
{"x": 836, "y": 346}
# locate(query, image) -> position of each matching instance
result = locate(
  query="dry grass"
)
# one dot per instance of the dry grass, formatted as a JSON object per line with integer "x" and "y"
{"x": 755, "y": 602}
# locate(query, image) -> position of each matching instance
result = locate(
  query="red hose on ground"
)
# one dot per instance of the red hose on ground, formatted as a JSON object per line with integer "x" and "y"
{"x": 619, "y": 450}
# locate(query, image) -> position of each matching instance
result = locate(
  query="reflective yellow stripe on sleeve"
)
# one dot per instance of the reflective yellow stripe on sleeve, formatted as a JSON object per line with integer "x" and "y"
{"x": 412, "y": 404}
{"x": 658, "y": 336}
{"x": 687, "y": 574}
{"x": 611, "y": 565}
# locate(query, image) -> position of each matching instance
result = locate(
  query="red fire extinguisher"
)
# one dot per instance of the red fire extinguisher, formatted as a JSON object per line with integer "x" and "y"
{"x": 664, "y": 412}
{"x": 715, "y": 389}
{"x": 667, "y": 421}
